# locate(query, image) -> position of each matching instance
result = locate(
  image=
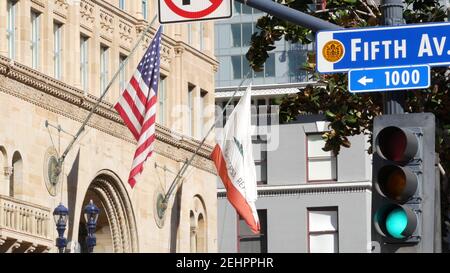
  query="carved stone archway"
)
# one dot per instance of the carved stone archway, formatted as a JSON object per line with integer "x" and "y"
{"x": 118, "y": 215}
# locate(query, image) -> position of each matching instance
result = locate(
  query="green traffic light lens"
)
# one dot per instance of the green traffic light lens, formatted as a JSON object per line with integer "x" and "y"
{"x": 396, "y": 223}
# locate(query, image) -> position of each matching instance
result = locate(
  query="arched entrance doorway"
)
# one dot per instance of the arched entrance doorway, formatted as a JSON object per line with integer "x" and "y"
{"x": 116, "y": 226}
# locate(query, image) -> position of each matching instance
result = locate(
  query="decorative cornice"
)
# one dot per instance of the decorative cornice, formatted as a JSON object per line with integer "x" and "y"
{"x": 106, "y": 22}
{"x": 61, "y": 7}
{"x": 308, "y": 189}
{"x": 125, "y": 33}
{"x": 87, "y": 13}
{"x": 58, "y": 97}
{"x": 39, "y": 3}
{"x": 179, "y": 50}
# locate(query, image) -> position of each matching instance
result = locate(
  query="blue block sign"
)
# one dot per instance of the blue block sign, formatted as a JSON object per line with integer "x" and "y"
{"x": 389, "y": 78}
{"x": 417, "y": 44}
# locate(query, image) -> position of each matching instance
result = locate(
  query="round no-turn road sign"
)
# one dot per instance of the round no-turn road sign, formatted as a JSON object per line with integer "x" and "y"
{"x": 177, "y": 11}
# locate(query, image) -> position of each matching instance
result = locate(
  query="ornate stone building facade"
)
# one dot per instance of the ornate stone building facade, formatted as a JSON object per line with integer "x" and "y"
{"x": 56, "y": 57}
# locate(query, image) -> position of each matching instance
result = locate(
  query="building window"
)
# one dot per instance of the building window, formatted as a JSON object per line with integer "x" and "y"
{"x": 122, "y": 74}
{"x": 247, "y": 32}
{"x": 242, "y": 34}
{"x": 269, "y": 66}
{"x": 237, "y": 8}
{"x": 189, "y": 27}
{"x": 122, "y": 4}
{"x": 104, "y": 64}
{"x": 322, "y": 166}
{"x": 84, "y": 63}
{"x": 241, "y": 68}
{"x": 57, "y": 54}
{"x": 145, "y": 9}
{"x": 323, "y": 235}
{"x": 260, "y": 157}
{"x": 244, "y": 9}
{"x": 162, "y": 100}
{"x": 248, "y": 242}
{"x": 201, "y": 27}
{"x": 236, "y": 66}
{"x": 236, "y": 35}
{"x": 35, "y": 39}
{"x": 11, "y": 29}
{"x": 201, "y": 112}
{"x": 191, "y": 89}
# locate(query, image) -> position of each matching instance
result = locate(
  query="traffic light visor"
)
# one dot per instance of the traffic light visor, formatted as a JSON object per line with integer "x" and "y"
{"x": 396, "y": 144}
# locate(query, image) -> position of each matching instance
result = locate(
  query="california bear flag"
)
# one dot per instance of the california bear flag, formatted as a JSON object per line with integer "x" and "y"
{"x": 233, "y": 157}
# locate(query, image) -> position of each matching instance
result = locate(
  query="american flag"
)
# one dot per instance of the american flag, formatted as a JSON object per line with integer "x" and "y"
{"x": 137, "y": 105}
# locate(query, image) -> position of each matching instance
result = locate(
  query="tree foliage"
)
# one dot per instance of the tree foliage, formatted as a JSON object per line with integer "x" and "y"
{"x": 351, "y": 114}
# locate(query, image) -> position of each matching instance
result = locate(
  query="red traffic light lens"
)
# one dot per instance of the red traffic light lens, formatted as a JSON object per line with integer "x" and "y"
{"x": 396, "y": 144}
{"x": 396, "y": 183}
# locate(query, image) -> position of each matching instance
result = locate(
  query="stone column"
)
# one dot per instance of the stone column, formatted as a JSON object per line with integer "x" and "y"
{"x": 177, "y": 91}
{"x": 47, "y": 41}
{"x": 73, "y": 75}
{"x": 5, "y": 187}
{"x": 23, "y": 12}
{"x": 193, "y": 240}
{"x": 94, "y": 56}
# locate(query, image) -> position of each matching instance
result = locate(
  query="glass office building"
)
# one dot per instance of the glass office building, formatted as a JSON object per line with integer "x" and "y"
{"x": 232, "y": 41}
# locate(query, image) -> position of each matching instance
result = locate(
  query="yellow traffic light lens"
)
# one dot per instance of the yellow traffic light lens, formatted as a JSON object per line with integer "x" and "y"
{"x": 395, "y": 184}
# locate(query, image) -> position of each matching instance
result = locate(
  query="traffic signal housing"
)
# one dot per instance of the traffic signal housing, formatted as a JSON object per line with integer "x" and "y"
{"x": 404, "y": 200}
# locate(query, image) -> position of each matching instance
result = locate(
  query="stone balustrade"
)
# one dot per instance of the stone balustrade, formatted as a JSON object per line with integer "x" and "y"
{"x": 24, "y": 227}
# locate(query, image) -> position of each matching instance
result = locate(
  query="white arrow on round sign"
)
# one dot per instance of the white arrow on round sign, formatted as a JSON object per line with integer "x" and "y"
{"x": 177, "y": 11}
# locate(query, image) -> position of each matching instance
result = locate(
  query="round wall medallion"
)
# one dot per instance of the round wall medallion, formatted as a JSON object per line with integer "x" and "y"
{"x": 159, "y": 211}
{"x": 51, "y": 172}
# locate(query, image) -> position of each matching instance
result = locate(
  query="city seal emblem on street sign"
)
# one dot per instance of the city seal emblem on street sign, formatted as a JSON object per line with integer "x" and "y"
{"x": 333, "y": 51}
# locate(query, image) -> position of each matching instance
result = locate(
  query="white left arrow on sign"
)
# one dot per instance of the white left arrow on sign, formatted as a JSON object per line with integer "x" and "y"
{"x": 364, "y": 80}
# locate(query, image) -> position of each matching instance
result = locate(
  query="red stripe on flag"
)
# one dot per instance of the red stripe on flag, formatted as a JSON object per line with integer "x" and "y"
{"x": 148, "y": 123}
{"x": 233, "y": 194}
{"x": 133, "y": 107}
{"x": 145, "y": 145}
{"x": 127, "y": 121}
{"x": 138, "y": 90}
{"x": 137, "y": 170}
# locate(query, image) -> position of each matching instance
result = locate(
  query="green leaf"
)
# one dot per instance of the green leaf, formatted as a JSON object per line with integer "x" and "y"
{"x": 330, "y": 114}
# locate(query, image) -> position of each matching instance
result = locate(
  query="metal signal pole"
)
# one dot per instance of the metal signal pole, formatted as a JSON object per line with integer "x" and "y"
{"x": 392, "y": 10}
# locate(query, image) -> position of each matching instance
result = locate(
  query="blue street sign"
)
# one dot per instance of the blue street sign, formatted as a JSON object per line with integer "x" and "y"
{"x": 418, "y": 44}
{"x": 389, "y": 78}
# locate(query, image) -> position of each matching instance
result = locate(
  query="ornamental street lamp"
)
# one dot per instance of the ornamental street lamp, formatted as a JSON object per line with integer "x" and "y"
{"x": 91, "y": 216}
{"x": 60, "y": 214}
